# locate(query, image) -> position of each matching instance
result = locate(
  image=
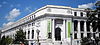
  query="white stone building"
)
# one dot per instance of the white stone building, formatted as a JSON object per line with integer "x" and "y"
{"x": 56, "y": 24}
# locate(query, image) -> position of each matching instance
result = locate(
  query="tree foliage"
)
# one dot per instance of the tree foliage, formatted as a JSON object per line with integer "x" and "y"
{"x": 94, "y": 18}
{"x": 6, "y": 40}
{"x": 20, "y": 37}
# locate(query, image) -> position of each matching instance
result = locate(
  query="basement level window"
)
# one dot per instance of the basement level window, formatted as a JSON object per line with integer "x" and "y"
{"x": 75, "y": 36}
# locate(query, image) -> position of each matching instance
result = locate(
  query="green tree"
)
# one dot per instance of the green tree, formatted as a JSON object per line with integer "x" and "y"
{"x": 94, "y": 18}
{"x": 20, "y": 37}
{"x": 2, "y": 41}
{"x": 6, "y": 40}
{"x": 85, "y": 41}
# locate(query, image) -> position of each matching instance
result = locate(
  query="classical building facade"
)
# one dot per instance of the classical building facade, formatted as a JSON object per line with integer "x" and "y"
{"x": 57, "y": 25}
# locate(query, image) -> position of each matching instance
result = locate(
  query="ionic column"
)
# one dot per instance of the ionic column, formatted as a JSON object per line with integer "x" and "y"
{"x": 79, "y": 34}
{"x": 30, "y": 35}
{"x": 64, "y": 29}
{"x": 85, "y": 29}
{"x": 26, "y": 34}
{"x": 72, "y": 31}
{"x": 53, "y": 29}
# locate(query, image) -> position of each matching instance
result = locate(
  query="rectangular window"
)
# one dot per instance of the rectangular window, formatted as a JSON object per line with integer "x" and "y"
{"x": 82, "y": 25}
{"x": 75, "y": 13}
{"x": 94, "y": 25}
{"x": 81, "y": 14}
{"x": 49, "y": 35}
{"x": 88, "y": 26}
{"x": 75, "y": 25}
{"x": 88, "y": 35}
{"x": 32, "y": 17}
{"x": 32, "y": 34}
{"x": 32, "y": 24}
{"x": 81, "y": 35}
{"x": 28, "y": 34}
{"x": 94, "y": 35}
{"x": 75, "y": 36}
{"x": 99, "y": 35}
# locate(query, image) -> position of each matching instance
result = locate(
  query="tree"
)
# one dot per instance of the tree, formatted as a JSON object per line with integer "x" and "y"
{"x": 94, "y": 19}
{"x": 5, "y": 40}
{"x": 2, "y": 41}
{"x": 8, "y": 40}
{"x": 20, "y": 37}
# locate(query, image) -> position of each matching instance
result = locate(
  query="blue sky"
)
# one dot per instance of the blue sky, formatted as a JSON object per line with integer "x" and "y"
{"x": 12, "y": 10}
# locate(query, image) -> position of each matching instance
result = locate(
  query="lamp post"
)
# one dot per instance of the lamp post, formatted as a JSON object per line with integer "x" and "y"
{"x": 37, "y": 31}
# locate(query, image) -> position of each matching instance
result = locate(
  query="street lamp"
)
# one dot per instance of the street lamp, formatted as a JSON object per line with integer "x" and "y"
{"x": 37, "y": 31}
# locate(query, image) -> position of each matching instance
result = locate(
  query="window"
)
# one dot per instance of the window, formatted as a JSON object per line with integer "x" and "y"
{"x": 82, "y": 25}
{"x": 33, "y": 24}
{"x": 99, "y": 28}
{"x": 99, "y": 35}
{"x": 94, "y": 25}
{"x": 75, "y": 13}
{"x": 75, "y": 36}
{"x": 81, "y": 14}
{"x": 75, "y": 25}
{"x": 94, "y": 35}
{"x": 29, "y": 24}
{"x": 81, "y": 35}
{"x": 59, "y": 21}
{"x": 87, "y": 14}
{"x": 32, "y": 17}
{"x": 49, "y": 35}
{"x": 32, "y": 43}
{"x": 32, "y": 34}
{"x": 88, "y": 26}
{"x": 28, "y": 34}
{"x": 88, "y": 35}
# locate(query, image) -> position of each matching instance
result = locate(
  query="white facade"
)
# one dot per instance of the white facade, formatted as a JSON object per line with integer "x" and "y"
{"x": 49, "y": 19}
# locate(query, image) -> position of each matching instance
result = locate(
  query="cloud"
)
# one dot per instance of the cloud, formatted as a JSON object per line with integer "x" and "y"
{"x": 18, "y": 5}
{"x": 0, "y": 5}
{"x": 89, "y": 5}
{"x": 13, "y": 14}
{"x": 11, "y": 5}
{"x": 98, "y": 0}
{"x": 7, "y": 24}
{"x": 4, "y": 2}
{"x": 28, "y": 9}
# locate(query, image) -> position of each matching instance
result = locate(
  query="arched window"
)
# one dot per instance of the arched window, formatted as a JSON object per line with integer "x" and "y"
{"x": 57, "y": 33}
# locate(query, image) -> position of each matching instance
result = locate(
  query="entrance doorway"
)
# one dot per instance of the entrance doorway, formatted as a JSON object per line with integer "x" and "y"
{"x": 57, "y": 34}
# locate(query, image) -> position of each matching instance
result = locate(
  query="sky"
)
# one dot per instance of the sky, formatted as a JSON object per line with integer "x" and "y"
{"x": 13, "y": 10}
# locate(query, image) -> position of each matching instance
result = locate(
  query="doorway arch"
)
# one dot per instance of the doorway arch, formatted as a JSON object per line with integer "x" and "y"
{"x": 58, "y": 34}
